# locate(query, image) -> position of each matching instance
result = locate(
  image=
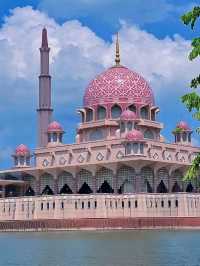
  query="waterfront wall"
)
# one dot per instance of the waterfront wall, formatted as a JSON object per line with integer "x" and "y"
{"x": 100, "y": 206}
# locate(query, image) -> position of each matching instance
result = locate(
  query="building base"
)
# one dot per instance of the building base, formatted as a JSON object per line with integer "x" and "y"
{"x": 102, "y": 224}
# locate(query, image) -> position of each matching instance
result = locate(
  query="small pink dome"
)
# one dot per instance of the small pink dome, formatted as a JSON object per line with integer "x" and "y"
{"x": 183, "y": 125}
{"x": 128, "y": 115}
{"x": 22, "y": 150}
{"x": 118, "y": 84}
{"x": 55, "y": 127}
{"x": 134, "y": 135}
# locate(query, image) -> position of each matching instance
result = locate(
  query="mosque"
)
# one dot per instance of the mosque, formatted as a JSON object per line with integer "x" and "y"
{"x": 120, "y": 165}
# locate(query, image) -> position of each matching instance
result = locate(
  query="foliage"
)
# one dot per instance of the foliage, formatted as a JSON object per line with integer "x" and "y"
{"x": 177, "y": 130}
{"x": 192, "y": 99}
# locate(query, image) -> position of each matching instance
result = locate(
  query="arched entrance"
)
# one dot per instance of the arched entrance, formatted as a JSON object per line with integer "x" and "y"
{"x": 176, "y": 188}
{"x": 65, "y": 190}
{"x": 105, "y": 188}
{"x": 47, "y": 191}
{"x": 126, "y": 187}
{"x": 189, "y": 188}
{"x": 161, "y": 188}
{"x": 30, "y": 192}
{"x": 85, "y": 189}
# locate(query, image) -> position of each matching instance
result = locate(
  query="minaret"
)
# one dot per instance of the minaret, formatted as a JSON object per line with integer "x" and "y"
{"x": 45, "y": 110}
{"x": 117, "y": 53}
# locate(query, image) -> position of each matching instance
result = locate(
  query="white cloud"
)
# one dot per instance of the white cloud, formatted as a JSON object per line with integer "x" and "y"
{"x": 77, "y": 55}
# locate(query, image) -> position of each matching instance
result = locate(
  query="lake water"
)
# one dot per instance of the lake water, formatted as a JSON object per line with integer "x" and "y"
{"x": 114, "y": 248}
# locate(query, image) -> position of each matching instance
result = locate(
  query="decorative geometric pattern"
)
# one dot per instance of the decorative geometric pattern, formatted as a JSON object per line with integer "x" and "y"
{"x": 118, "y": 83}
{"x": 99, "y": 157}
{"x": 62, "y": 161}
{"x": 45, "y": 163}
{"x": 81, "y": 159}
{"x": 119, "y": 155}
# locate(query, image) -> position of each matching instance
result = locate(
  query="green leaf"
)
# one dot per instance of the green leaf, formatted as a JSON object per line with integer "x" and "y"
{"x": 192, "y": 101}
{"x": 193, "y": 170}
{"x": 195, "y": 82}
{"x": 190, "y": 17}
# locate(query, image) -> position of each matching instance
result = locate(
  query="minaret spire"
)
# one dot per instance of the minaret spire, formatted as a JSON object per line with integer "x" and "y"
{"x": 117, "y": 53}
{"x": 45, "y": 110}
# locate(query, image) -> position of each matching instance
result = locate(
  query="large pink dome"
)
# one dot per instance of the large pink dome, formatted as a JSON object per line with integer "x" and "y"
{"x": 118, "y": 84}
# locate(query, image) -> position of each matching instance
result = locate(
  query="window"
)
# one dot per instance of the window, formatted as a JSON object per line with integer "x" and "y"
{"x": 169, "y": 203}
{"x": 101, "y": 113}
{"x": 89, "y": 115}
{"x": 129, "y": 204}
{"x": 122, "y": 127}
{"x": 122, "y": 204}
{"x": 116, "y": 204}
{"x": 132, "y": 108}
{"x": 95, "y": 204}
{"x": 144, "y": 113}
{"x": 184, "y": 136}
{"x": 54, "y": 137}
{"x": 82, "y": 205}
{"x": 88, "y": 204}
{"x": 141, "y": 148}
{"x": 136, "y": 204}
{"x": 178, "y": 137}
{"x": 148, "y": 134}
{"x": 162, "y": 203}
{"x": 129, "y": 126}
{"x": 176, "y": 203}
{"x": 116, "y": 111}
{"x": 42, "y": 206}
{"x": 135, "y": 148}
{"x": 62, "y": 205}
{"x": 76, "y": 206}
{"x": 60, "y": 137}
{"x": 96, "y": 134}
{"x": 47, "y": 205}
{"x": 54, "y": 205}
{"x": 128, "y": 148}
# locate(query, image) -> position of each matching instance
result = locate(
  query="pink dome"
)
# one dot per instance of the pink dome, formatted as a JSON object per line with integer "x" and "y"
{"x": 22, "y": 150}
{"x": 118, "y": 84}
{"x": 183, "y": 125}
{"x": 134, "y": 135}
{"x": 128, "y": 115}
{"x": 55, "y": 127}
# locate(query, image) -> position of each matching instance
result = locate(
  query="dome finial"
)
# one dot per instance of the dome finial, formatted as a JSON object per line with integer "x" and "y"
{"x": 117, "y": 54}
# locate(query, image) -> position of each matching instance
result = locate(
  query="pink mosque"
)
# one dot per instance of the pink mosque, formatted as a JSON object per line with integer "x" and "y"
{"x": 119, "y": 173}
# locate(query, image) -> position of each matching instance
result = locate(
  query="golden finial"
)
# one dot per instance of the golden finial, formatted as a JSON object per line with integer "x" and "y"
{"x": 117, "y": 55}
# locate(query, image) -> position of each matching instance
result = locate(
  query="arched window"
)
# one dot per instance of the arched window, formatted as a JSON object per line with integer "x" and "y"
{"x": 116, "y": 111}
{"x": 96, "y": 134}
{"x": 46, "y": 184}
{"x": 104, "y": 178}
{"x": 135, "y": 148}
{"x": 162, "y": 180}
{"x": 122, "y": 127}
{"x": 178, "y": 137}
{"x": 128, "y": 148}
{"x": 126, "y": 179}
{"x": 147, "y": 179}
{"x": 176, "y": 181}
{"x": 184, "y": 136}
{"x": 148, "y": 134}
{"x": 129, "y": 126}
{"x": 101, "y": 113}
{"x": 66, "y": 183}
{"x": 144, "y": 112}
{"x": 132, "y": 108}
{"x": 89, "y": 115}
{"x": 85, "y": 183}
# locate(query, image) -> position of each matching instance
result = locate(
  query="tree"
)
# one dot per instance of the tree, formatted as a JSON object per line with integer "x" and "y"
{"x": 192, "y": 99}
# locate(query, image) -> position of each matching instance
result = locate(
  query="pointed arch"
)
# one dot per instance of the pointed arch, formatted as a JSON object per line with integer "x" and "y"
{"x": 132, "y": 108}
{"x": 176, "y": 181}
{"x": 46, "y": 183}
{"x": 85, "y": 176}
{"x": 144, "y": 112}
{"x": 47, "y": 190}
{"x": 66, "y": 183}
{"x": 85, "y": 189}
{"x": 116, "y": 111}
{"x": 189, "y": 188}
{"x": 29, "y": 192}
{"x": 105, "y": 188}
{"x": 31, "y": 181}
{"x": 101, "y": 112}
{"x": 147, "y": 179}
{"x": 148, "y": 134}
{"x": 162, "y": 175}
{"x": 126, "y": 179}
{"x": 161, "y": 188}
{"x": 102, "y": 175}
{"x": 89, "y": 114}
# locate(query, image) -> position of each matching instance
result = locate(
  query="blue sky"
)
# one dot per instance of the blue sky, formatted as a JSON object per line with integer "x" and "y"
{"x": 154, "y": 42}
